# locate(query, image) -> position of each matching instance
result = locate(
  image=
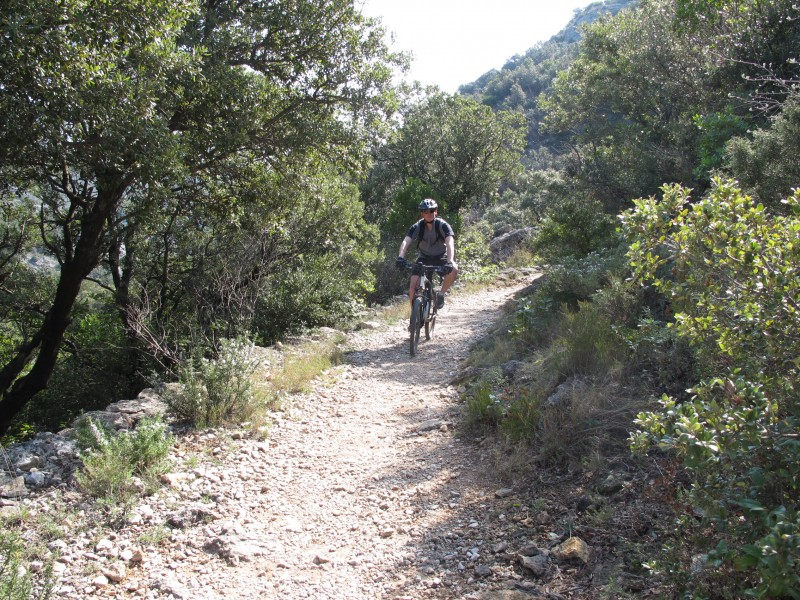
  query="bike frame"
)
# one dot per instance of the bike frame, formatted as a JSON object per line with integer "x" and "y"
{"x": 423, "y": 306}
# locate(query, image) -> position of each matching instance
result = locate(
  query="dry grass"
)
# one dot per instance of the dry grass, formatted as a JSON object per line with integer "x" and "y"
{"x": 301, "y": 365}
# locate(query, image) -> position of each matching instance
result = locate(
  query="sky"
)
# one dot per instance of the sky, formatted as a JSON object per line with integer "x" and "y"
{"x": 454, "y": 42}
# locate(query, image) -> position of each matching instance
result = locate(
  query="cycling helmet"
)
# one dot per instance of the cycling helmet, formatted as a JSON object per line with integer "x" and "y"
{"x": 427, "y": 204}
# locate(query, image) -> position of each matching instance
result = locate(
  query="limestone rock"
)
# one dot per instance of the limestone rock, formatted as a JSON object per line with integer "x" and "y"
{"x": 573, "y": 548}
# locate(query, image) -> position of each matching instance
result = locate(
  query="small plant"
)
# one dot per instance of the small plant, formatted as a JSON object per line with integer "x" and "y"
{"x": 154, "y": 536}
{"x": 523, "y": 417}
{"x": 15, "y": 579}
{"x": 222, "y": 390}
{"x": 484, "y": 405}
{"x": 111, "y": 460}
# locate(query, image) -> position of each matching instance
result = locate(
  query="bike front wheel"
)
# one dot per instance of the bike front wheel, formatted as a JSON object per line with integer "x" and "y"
{"x": 430, "y": 323}
{"x": 416, "y": 325}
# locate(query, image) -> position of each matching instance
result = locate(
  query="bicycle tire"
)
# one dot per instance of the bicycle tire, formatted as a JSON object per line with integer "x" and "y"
{"x": 430, "y": 324}
{"x": 416, "y": 325}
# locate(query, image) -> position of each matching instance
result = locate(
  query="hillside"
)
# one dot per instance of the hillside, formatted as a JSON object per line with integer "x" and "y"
{"x": 518, "y": 84}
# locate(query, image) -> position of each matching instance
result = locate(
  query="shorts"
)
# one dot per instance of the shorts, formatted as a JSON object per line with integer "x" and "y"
{"x": 432, "y": 261}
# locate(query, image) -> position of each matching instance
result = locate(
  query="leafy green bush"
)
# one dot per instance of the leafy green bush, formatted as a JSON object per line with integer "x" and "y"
{"x": 110, "y": 462}
{"x": 574, "y": 228}
{"x": 765, "y": 162}
{"x": 565, "y": 285}
{"x": 484, "y": 406}
{"x": 221, "y": 390}
{"x": 321, "y": 291}
{"x": 473, "y": 254}
{"x": 731, "y": 271}
{"x": 15, "y": 579}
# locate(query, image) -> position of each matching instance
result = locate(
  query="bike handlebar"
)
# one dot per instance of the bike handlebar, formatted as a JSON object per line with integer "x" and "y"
{"x": 418, "y": 269}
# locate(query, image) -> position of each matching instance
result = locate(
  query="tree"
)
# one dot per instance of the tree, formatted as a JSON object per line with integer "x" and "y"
{"x": 459, "y": 148}
{"x": 112, "y": 111}
{"x": 766, "y": 163}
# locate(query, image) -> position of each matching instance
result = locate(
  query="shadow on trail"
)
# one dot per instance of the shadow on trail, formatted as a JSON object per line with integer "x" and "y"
{"x": 443, "y": 486}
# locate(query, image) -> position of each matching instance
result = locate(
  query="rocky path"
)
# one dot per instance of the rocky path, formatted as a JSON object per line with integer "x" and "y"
{"x": 366, "y": 490}
{"x": 363, "y": 489}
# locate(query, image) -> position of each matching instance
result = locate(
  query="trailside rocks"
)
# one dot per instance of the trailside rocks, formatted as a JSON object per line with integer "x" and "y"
{"x": 50, "y": 459}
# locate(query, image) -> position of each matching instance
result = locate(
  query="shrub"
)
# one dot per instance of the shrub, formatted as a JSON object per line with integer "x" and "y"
{"x": 110, "y": 461}
{"x": 321, "y": 291}
{"x": 731, "y": 270}
{"x": 15, "y": 580}
{"x": 588, "y": 344}
{"x": 574, "y": 228}
{"x": 564, "y": 286}
{"x": 484, "y": 406}
{"x": 221, "y": 390}
{"x": 473, "y": 253}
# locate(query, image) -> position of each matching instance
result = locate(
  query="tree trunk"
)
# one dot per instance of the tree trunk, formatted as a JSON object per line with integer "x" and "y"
{"x": 15, "y": 391}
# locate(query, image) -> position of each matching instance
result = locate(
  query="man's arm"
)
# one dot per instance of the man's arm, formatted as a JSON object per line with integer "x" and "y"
{"x": 404, "y": 247}
{"x": 450, "y": 248}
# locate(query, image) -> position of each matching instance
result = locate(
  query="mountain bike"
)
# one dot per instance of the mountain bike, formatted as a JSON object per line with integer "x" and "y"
{"x": 423, "y": 308}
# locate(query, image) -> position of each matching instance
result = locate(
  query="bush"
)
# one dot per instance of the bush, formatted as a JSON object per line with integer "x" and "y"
{"x": 731, "y": 270}
{"x": 484, "y": 406}
{"x": 473, "y": 254}
{"x": 110, "y": 461}
{"x": 15, "y": 579}
{"x": 221, "y": 390}
{"x": 574, "y": 228}
{"x": 564, "y": 286}
{"x": 320, "y": 292}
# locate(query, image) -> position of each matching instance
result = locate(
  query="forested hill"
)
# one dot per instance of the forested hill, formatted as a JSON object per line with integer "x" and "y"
{"x": 496, "y": 85}
{"x": 524, "y": 76}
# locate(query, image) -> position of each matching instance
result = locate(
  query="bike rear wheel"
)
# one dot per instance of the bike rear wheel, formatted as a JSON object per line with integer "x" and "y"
{"x": 416, "y": 325}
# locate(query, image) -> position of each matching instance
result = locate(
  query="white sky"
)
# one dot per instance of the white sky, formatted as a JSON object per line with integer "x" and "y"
{"x": 454, "y": 42}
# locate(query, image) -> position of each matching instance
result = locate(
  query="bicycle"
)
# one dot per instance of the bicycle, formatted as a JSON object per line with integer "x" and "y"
{"x": 423, "y": 308}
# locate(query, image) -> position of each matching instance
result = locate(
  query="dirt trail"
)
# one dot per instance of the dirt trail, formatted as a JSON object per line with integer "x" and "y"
{"x": 363, "y": 489}
{"x": 370, "y": 492}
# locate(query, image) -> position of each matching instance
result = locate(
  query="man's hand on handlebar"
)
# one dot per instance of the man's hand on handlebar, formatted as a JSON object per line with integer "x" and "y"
{"x": 400, "y": 263}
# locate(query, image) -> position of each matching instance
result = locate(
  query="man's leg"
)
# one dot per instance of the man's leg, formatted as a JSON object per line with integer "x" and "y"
{"x": 448, "y": 280}
{"x": 412, "y": 286}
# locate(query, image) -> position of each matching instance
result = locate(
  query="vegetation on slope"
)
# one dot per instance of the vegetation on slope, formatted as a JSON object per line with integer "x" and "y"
{"x": 197, "y": 181}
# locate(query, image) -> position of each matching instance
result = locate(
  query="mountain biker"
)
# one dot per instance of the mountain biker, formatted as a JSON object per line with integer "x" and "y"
{"x": 436, "y": 244}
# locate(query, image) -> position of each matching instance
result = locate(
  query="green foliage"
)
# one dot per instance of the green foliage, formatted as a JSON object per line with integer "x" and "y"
{"x": 717, "y": 129}
{"x": 588, "y": 343}
{"x": 404, "y": 209}
{"x": 220, "y": 390}
{"x": 15, "y": 579}
{"x": 565, "y": 285}
{"x": 94, "y": 369}
{"x": 484, "y": 405}
{"x": 765, "y": 163}
{"x": 473, "y": 253}
{"x": 453, "y": 145}
{"x": 168, "y": 142}
{"x": 729, "y": 267}
{"x": 111, "y": 461}
{"x": 574, "y": 228}
{"x": 321, "y": 291}
{"x": 734, "y": 279}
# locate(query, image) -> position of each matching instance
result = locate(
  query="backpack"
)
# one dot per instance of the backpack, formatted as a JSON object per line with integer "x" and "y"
{"x": 437, "y": 225}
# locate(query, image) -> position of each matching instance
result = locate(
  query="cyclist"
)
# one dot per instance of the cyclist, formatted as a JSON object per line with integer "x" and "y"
{"x": 436, "y": 244}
